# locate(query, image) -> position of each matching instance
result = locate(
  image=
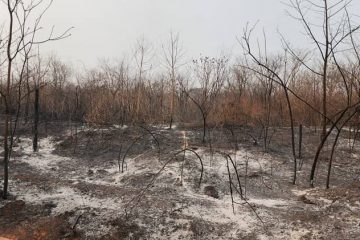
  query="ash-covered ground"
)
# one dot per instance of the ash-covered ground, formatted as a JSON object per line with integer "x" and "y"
{"x": 124, "y": 182}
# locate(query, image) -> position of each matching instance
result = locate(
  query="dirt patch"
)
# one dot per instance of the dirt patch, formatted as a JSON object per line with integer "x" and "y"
{"x": 23, "y": 222}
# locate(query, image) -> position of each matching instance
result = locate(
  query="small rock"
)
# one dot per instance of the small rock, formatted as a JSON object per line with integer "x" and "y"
{"x": 102, "y": 172}
{"x": 50, "y": 205}
{"x": 90, "y": 172}
{"x": 337, "y": 225}
{"x": 211, "y": 192}
{"x": 305, "y": 200}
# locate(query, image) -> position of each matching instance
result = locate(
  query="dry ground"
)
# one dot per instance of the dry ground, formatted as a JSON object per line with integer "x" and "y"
{"x": 73, "y": 188}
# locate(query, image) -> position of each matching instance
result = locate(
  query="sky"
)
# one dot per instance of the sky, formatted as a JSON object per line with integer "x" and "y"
{"x": 108, "y": 29}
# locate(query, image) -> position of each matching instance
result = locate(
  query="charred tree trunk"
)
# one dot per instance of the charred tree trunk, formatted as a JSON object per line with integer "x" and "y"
{"x": 325, "y": 68}
{"x": 321, "y": 145}
{"x": 204, "y": 117}
{"x": 300, "y": 140}
{"x": 6, "y": 154}
{"x": 28, "y": 90}
{"x": 292, "y": 134}
{"x": 331, "y": 159}
{"x": 7, "y": 99}
{"x": 333, "y": 149}
{"x": 36, "y": 118}
{"x": 172, "y": 103}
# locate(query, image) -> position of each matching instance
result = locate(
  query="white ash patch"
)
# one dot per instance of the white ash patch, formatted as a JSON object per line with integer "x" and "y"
{"x": 300, "y": 234}
{"x": 355, "y": 207}
{"x": 163, "y": 126}
{"x": 242, "y": 159}
{"x": 112, "y": 176}
{"x": 344, "y": 143}
{"x": 270, "y": 203}
{"x": 43, "y": 159}
{"x": 298, "y": 192}
{"x": 221, "y": 212}
{"x": 122, "y": 127}
{"x": 66, "y": 199}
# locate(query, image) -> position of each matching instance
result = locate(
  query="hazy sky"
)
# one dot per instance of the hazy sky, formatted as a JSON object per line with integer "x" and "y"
{"x": 109, "y": 28}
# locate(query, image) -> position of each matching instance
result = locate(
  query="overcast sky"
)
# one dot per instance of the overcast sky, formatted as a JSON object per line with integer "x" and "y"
{"x": 109, "y": 28}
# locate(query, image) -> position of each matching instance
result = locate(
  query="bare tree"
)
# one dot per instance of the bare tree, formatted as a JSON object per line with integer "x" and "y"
{"x": 39, "y": 82}
{"x": 282, "y": 72}
{"x": 21, "y": 34}
{"x": 59, "y": 78}
{"x": 142, "y": 56}
{"x": 210, "y": 74}
{"x": 335, "y": 33}
{"x": 115, "y": 77}
{"x": 236, "y": 86}
{"x": 173, "y": 53}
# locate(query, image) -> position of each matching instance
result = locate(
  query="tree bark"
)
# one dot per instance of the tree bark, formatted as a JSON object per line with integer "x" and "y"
{"x": 204, "y": 125}
{"x": 292, "y": 134}
{"x": 320, "y": 147}
{"x": 36, "y": 118}
{"x": 7, "y": 103}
